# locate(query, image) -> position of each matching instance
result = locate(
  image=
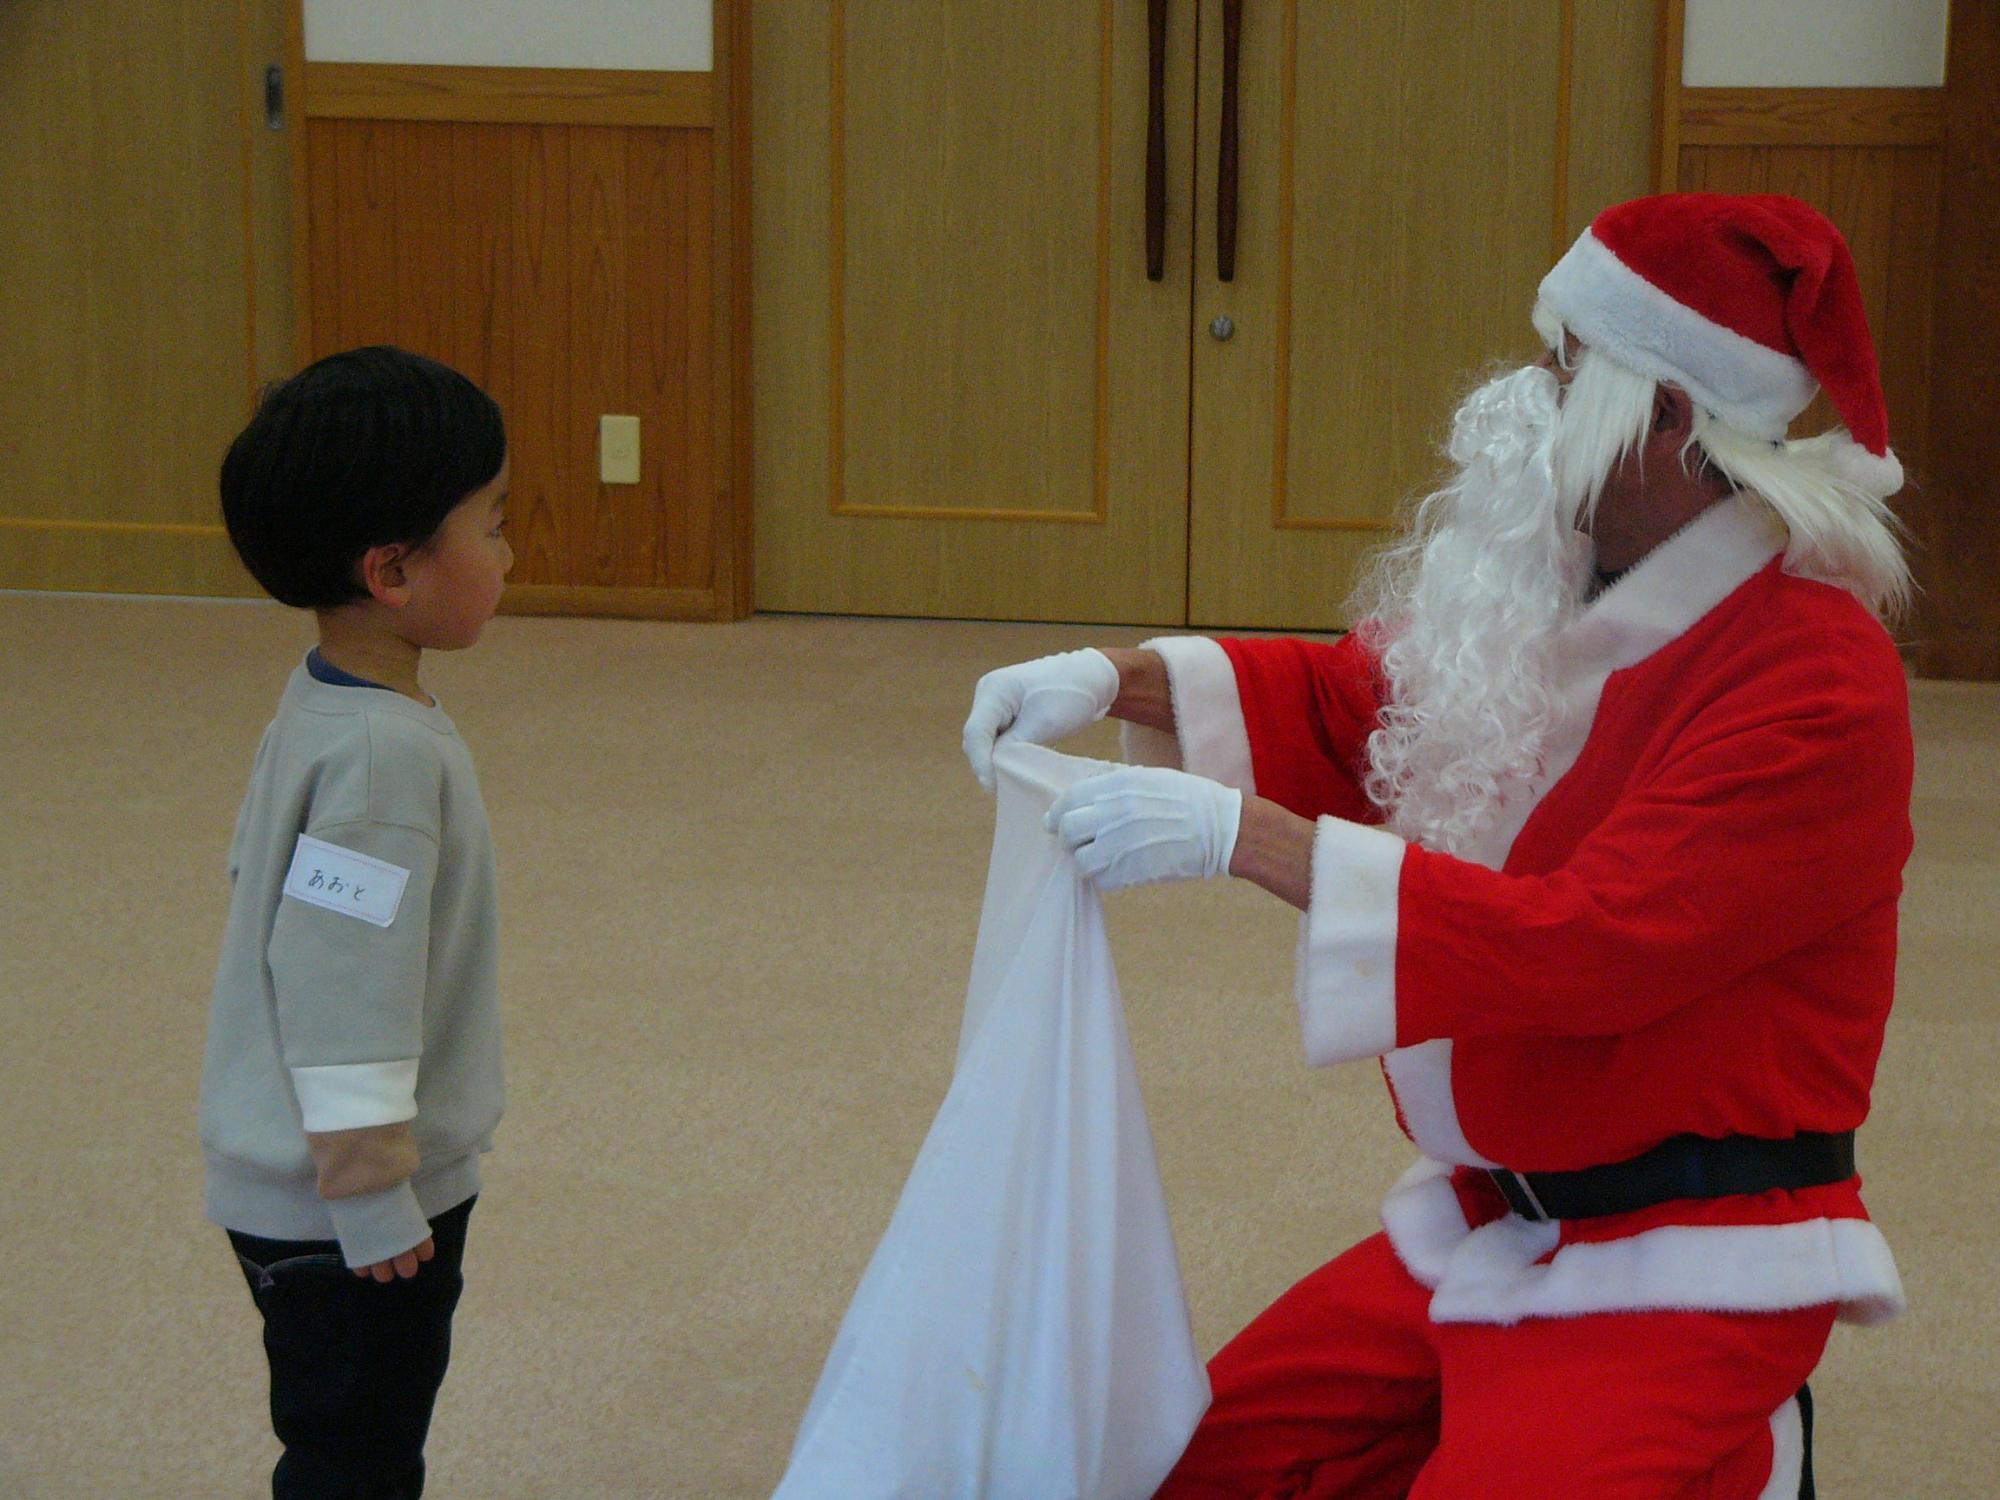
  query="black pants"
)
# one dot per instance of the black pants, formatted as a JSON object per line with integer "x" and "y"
{"x": 355, "y": 1365}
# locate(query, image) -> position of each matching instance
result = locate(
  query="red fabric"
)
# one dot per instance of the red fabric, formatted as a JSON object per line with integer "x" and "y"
{"x": 1309, "y": 708}
{"x": 1767, "y": 267}
{"x": 1345, "y": 1388}
{"x": 1695, "y": 931}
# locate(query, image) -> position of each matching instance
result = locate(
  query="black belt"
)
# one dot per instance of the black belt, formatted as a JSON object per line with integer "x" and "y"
{"x": 1685, "y": 1166}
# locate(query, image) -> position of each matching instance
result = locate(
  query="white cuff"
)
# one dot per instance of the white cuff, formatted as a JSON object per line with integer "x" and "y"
{"x": 1347, "y": 944}
{"x": 1210, "y": 738}
{"x": 350, "y": 1096}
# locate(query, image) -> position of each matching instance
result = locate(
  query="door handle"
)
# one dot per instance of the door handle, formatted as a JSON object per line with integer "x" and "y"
{"x": 1225, "y": 155}
{"x": 1156, "y": 139}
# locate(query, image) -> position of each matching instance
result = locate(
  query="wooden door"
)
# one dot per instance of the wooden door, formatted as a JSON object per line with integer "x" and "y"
{"x": 1409, "y": 172}
{"x": 143, "y": 286}
{"x": 971, "y": 401}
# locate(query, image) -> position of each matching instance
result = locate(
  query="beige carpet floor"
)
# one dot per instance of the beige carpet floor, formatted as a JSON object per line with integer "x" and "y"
{"x": 741, "y": 869}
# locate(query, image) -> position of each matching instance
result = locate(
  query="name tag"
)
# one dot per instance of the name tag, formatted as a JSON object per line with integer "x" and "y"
{"x": 340, "y": 880}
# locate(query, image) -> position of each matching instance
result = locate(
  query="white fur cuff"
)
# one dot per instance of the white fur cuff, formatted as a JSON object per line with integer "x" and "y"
{"x": 1208, "y": 714}
{"x": 1347, "y": 944}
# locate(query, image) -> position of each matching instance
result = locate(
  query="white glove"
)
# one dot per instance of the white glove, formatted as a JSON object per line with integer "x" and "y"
{"x": 1145, "y": 823}
{"x": 1040, "y": 701}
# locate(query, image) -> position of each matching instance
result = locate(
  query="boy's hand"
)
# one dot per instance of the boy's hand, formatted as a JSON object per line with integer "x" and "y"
{"x": 404, "y": 1265}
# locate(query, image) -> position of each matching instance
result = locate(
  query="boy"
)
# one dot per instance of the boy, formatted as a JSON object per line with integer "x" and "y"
{"x": 352, "y": 1075}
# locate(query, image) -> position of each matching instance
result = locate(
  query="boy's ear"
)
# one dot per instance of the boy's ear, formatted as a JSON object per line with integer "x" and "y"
{"x": 385, "y": 574}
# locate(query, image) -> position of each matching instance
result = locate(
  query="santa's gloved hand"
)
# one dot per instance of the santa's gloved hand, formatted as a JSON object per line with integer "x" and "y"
{"x": 1144, "y": 823}
{"x": 1040, "y": 701}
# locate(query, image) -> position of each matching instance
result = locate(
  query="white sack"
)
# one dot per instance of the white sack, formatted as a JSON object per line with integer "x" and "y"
{"x": 1021, "y": 1332}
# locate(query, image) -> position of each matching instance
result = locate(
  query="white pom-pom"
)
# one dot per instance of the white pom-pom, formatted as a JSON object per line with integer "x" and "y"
{"x": 1877, "y": 475}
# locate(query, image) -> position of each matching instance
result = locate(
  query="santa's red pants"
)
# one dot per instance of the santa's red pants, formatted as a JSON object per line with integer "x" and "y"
{"x": 1345, "y": 1388}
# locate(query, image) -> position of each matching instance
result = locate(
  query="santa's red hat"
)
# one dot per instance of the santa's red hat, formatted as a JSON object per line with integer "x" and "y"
{"x": 1748, "y": 303}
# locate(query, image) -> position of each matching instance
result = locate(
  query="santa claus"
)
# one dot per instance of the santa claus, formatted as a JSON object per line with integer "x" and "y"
{"x": 1597, "y": 822}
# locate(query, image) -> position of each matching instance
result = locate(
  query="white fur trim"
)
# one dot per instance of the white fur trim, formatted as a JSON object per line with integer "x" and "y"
{"x": 1614, "y": 309}
{"x": 1491, "y": 1275}
{"x": 1878, "y": 476}
{"x": 350, "y": 1096}
{"x": 1420, "y": 1077}
{"x": 1347, "y": 943}
{"x": 1788, "y": 1453}
{"x": 1212, "y": 739}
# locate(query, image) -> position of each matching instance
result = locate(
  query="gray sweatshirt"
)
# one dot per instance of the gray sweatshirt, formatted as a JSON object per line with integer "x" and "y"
{"x": 352, "y": 1075}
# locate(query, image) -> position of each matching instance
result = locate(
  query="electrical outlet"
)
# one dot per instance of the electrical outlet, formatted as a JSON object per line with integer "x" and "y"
{"x": 618, "y": 450}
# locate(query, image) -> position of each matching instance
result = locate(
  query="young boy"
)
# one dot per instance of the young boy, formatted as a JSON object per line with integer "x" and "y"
{"x": 352, "y": 1076}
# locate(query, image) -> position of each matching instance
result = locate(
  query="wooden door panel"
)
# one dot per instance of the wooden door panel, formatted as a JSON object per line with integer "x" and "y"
{"x": 143, "y": 243}
{"x": 970, "y": 400}
{"x": 1408, "y": 180}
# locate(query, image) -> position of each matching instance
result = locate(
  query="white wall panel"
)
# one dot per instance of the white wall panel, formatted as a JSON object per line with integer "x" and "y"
{"x": 675, "y": 35}
{"x": 1815, "y": 43}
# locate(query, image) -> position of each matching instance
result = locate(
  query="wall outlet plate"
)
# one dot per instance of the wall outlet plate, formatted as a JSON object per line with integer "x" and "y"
{"x": 618, "y": 450}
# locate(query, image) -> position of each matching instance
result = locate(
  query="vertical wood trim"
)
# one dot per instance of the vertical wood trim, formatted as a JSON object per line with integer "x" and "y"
{"x": 732, "y": 580}
{"x": 1565, "y": 76}
{"x": 836, "y": 141}
{"x": 1956, "y": 525}
{"x": 1281, "y": 338}
{"x": 1101, "y": 459}
{"x": 302, "y": 224}
{"x": 247, "y": 119}
{"x": 1667, "y": 96}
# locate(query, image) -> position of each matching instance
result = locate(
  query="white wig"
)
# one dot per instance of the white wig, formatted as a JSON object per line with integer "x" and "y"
{"x": 1840, "y": 533}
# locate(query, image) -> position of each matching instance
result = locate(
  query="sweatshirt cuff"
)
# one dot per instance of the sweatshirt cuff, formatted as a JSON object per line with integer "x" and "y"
{"x": 374, "y": 1227}
{"x": 1347, "y": 944}
{"x": 349, "y": 1096}
{"x": 1210, "y": 738}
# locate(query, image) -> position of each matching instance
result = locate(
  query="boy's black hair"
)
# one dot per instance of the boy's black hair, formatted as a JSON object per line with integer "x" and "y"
{"x": 368, "y": 448}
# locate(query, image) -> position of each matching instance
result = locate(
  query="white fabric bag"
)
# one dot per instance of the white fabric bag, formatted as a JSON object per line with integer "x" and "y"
{"x": 1021, "y": 1332}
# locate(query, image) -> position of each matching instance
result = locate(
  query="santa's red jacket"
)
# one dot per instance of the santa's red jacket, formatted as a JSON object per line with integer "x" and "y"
{"x": 1688, "y": 928}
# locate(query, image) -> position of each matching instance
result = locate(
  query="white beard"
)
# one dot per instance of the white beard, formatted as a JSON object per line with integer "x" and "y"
{"x": 1465, "y": 612}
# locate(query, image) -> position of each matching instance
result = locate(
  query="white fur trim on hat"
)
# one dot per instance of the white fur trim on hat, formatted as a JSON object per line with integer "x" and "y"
{"x": 1615, "y": 310}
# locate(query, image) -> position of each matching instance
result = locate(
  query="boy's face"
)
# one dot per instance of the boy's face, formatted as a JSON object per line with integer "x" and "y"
{"x": 455, "y": 579}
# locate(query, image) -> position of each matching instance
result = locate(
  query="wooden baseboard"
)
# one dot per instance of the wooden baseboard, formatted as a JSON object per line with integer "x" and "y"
{"x": 615, "y": 603}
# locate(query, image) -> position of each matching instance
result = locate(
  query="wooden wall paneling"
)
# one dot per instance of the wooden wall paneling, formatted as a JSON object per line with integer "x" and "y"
{"x": 597, "y": 278}
{"x": 1871, "y": 161}
{"x": 553, "y": 233}
{"x": 360, "y": 207}
{"x": 1956, "y": 518}
{"x": 1810, "y": 117}
{"x": 423, "y": 223}
{"x": 480, "y": 253}
{"x": 544, "y": 468}
{"x": 673, "y": 360}
{"x": 647, "y": 388}
{"x": 614, "y": 97}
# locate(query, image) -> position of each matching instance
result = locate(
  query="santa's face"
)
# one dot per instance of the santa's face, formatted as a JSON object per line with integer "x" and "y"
{"x": 1466, "y": 612}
